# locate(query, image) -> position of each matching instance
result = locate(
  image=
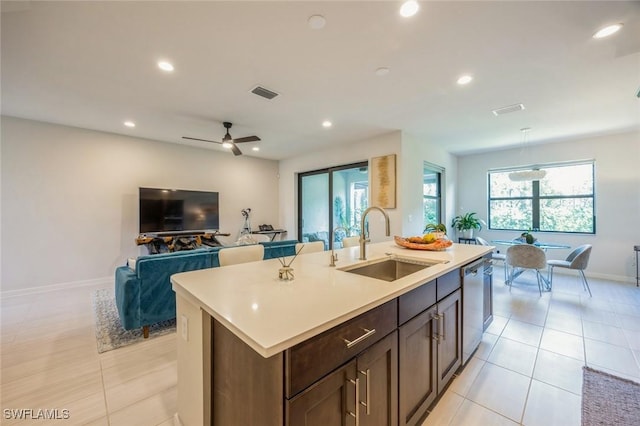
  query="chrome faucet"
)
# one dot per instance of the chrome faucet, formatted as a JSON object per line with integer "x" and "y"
{"x": 364, "y": 240}
{"x": 334, "y": 257}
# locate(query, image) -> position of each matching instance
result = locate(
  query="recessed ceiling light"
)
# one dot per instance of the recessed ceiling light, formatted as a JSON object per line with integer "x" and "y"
{"x": 409, "y": 8}
{"x": 327, "y": 123}
{"x": 165, "y": 66}
{"x": 316, "y": 22}
{"x": 130, "y": 124}
{"x": 382, "y": 71}
{"x": 465, "y": 79}
{"x": 607, "y": 31}
{"x": 256, "y": 148}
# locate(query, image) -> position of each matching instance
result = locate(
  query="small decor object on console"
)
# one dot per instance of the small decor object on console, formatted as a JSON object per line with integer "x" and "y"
{"x": 286, "y": 272}
{"x": 527, "y": 237}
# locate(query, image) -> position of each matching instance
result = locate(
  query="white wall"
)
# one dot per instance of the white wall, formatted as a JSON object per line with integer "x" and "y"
{"x": 70, "y": 197}
{"x": 617, "y": 160}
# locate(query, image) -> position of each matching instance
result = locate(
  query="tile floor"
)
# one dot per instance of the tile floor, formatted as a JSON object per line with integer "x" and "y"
{"x": 527, "y": 369}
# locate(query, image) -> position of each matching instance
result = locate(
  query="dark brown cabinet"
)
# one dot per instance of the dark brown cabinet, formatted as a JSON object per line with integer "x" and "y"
{"x": 449, "y": 338}
{"x": 417, "y": 351}
{"x": 326, "y": 402}
{"x": 430, "y": 351}
{"x": 362, "y": 392}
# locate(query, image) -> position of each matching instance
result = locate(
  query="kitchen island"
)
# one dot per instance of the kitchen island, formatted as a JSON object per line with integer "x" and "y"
{"x": 251, "y": 345}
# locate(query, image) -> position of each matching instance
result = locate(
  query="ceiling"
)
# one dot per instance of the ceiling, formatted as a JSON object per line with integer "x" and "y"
{"x": 94, "y": 65}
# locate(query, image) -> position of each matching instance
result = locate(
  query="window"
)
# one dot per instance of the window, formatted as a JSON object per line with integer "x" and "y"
{"x": 431, "y": 193}
{"x": 563, "y": 201}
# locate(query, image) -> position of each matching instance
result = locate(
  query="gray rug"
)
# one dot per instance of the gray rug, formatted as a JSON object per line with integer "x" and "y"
{"x": 109, "y": 332}
{"x": 609, "y": 400}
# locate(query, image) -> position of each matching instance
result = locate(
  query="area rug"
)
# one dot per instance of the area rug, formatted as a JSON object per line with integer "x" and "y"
{"x": 109, "y": 332}
{"x": 609, "y": 400}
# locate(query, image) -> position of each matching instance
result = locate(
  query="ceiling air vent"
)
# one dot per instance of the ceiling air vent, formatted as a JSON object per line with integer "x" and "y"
{"x": 265, "y": 93}
{"x": 508, "y": 109}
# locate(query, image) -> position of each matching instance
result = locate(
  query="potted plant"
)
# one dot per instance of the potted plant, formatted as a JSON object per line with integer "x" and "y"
{"x": 527, "y": 237}
{"x": 466, "y": 224}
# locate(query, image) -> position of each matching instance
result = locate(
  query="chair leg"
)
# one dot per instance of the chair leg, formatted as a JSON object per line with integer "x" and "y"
{"x": 145, "y": 331}
{"x": 550, "y": 276}
{"x": 538, "y": 276}
{"x": 585, "y": 284}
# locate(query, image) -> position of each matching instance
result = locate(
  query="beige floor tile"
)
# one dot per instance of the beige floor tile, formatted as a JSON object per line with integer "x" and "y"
{"x": 124, "y": 372}
{"x": 500, "y": 390}
{"x": 612, "y": 357}
{"x": 523, "y": 332}
{"x": 514, "y": 356}
{"x": 472, "y": 414}
{"x": 629, "y": 322}
{"x": 559, "y": 370}
{"x": 153, "y": 410}
{"x": 486, "y": 346}
{"x": 535, "y": 316}
{"x": 633, "y": 338}
{"x": 566, "y": 323}
{"x": 140, "y": 388}
{"x": 604, "y": 333}
{"x": 563, "y": 344}
{"x": 445, "y": 410}
{"x": 551, "y": 406}
{"x": 462, "y": 382}
{"x": 497, "y": 325}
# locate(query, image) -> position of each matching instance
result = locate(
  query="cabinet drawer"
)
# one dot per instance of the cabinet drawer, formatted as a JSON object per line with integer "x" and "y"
{"x": 417, "y": 300}
{"x": 312, "y": 359}
{"x": 447, "y": 284}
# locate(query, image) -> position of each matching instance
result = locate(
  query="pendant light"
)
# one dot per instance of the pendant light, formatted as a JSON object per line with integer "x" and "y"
{"x": 526, "y": 175}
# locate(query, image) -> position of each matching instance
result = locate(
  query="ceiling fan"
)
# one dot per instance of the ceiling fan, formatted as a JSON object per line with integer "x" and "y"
{"x": 228, "y": 141}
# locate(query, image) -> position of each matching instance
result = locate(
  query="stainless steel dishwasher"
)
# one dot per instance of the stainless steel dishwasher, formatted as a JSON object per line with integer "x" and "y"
{"x": 472, "y": 307}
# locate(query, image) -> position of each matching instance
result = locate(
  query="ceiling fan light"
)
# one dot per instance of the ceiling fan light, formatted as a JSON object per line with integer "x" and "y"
{"x": 227, "y": 144}
{"x": 527, "y": 175}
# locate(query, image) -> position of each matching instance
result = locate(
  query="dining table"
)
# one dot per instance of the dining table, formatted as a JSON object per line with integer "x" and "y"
{"x": 542, "y": 245}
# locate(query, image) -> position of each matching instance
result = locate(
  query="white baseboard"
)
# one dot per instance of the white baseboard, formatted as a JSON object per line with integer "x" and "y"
{"x": 55, "y": 287}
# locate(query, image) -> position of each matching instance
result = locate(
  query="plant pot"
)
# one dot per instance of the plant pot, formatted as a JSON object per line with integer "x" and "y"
{"x": 467, "y": 233}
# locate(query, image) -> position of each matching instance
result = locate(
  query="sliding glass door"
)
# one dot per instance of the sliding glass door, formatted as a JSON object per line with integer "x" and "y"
{"x": 332, "y": 199}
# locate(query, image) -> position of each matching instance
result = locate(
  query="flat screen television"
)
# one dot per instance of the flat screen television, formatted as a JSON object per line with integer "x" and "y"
{"x": 178, "y": 211}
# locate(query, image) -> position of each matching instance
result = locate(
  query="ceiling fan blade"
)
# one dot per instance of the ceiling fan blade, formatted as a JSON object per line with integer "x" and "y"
{"x": 247, "y": 139}
{"x": 235, "y": 150}
{"x": 201, "y": 140}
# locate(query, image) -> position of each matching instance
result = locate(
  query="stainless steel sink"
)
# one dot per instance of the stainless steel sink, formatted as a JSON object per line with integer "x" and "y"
{"x": 390, "y": 268}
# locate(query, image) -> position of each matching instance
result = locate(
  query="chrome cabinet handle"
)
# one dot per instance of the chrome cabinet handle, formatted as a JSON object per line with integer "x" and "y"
{"x": 367, "y": 333}
{"x": 356, "y": 415}
{"x": 441, "y": 327}
{"x": 366, "y": 403}
{"x": 436, "y": 335}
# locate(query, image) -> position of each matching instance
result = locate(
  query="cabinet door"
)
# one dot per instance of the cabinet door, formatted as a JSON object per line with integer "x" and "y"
{"x": 327, "y": 402}
{"x": 417, "y": 355}
{"x": 449, "y": 338}
{"x": 378, "y": 374}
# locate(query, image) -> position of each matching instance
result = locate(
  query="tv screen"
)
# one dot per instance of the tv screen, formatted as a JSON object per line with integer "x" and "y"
{"x": 178, "y": 211}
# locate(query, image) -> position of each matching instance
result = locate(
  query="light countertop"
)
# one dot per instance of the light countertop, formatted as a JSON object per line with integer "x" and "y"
{"x": 271, "y": 315}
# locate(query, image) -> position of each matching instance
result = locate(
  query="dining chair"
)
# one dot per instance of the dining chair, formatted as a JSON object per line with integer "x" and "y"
{"x": 526, "y": 256}
{"x": 310, "y": 247}
{"x": 578, "y": 260}
{"x": 242, "y": 254}
{"x": 350, "y": 241}
{"x": 495, "y": 256}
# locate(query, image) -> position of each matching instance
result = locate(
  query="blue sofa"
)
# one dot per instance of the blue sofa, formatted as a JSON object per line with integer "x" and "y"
{"x": 145, "y": 296}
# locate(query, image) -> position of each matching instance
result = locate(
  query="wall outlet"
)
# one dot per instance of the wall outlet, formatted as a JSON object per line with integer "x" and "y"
{"x": 184, "y": 327}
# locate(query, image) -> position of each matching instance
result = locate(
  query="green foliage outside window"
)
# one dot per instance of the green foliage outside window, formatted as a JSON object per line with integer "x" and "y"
{"x": 563, "y": 201}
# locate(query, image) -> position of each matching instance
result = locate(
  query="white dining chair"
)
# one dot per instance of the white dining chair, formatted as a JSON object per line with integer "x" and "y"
{"x": 495, "y": 256}
{"x": 526, "y": 256}
{"x": 350, "y": 241}
{"x": 578, "y": 260}
{"x": 310, "y": 247}
{"x": 242, "y": 254}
